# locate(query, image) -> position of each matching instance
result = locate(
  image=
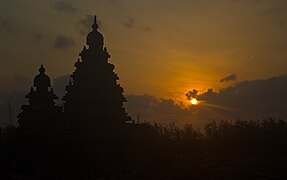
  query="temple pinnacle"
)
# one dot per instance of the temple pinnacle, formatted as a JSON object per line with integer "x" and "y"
{"x": 95, "y": 25}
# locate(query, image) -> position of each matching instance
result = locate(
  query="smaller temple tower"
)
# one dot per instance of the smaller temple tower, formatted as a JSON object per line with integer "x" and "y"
{"x": 41, "y": 115}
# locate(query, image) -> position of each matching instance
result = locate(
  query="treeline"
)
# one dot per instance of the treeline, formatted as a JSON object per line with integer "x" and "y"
{"x": 239, "y": 148}
{"x": 266, "y": 137}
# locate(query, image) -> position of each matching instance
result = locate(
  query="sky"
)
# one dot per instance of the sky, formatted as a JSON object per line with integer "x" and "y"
{"x": 162, "y": 49}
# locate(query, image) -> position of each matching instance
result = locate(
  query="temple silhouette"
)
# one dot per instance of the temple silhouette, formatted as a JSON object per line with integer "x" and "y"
{"x": 93, "y": 92}
{"x": 41, "y": 115}
{"x": 89, "y": 127}
{"x": 93, "y": 96}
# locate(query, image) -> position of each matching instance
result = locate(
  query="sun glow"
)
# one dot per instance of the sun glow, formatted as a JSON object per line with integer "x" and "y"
{"x": 193, "y": 101}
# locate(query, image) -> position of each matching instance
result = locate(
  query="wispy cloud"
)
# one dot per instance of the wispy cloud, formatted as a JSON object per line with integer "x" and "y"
{"x": 64, "y": 6}
{"x": 232, "y": 77}
{"x": 130, "y": 23}
{"x": 63, "y": 42}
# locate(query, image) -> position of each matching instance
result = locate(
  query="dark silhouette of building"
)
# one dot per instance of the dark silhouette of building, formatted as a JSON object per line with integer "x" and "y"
{"x": 41, "y": 115}
{"x": 93, "y": 95}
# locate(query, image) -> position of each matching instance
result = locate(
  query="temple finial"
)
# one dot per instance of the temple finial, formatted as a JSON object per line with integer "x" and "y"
{"x": 42, "y": 81}
{"x": 42, "y": 69}
{"x": 95, "y": 19}
{"x": 95, "y": 25}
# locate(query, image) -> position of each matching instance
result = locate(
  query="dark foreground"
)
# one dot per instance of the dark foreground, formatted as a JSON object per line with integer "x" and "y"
{"x": 226, "y": 150}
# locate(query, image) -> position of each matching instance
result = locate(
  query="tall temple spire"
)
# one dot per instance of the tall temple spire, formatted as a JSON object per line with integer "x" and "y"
{"x": 94, "y": 96}
{"x": 95, "y": 39}
{"x": 95, "y": 25}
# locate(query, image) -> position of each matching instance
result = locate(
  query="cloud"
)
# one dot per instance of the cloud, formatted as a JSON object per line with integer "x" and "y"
{"x": 163, "y": 111}
{"x": 63, "y": 42}
{"x": 251, "y": 98}
{"x": 232, "y": 77}
{"x": 64, "y": 6}
{"x": 130, "y": 23}
{"x": 191, "y": 94}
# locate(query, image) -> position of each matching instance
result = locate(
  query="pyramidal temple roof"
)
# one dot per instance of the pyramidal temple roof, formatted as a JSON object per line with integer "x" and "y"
{"x": 93, "y": 93}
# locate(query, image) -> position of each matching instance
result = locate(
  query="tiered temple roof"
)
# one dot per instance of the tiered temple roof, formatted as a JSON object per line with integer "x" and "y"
{"x": 93, "y": 95}
{"x": 41, "y": 113}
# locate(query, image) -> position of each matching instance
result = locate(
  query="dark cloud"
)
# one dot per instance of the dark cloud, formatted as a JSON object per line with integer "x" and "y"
{"x": 151, "y": 109}
{"x": 252, "y": 98}
{"x": 63, "y": 42}
{"x": 191, "y": 94}
{"x": 166, "y": 111}
{"x": 64, "y": 6}
{"x": 130, "y": 23}
{"x": 232, "y": 77}
{"x": 84, "y": 25}
{"x": 168, "y": 107}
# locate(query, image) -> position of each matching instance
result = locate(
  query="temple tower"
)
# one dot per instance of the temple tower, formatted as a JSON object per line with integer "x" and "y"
{"x": 41, "y": 115}
{"x": 93, "y": 95}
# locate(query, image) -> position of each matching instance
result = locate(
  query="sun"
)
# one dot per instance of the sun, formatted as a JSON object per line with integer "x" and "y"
{"x": 193, "y": 101}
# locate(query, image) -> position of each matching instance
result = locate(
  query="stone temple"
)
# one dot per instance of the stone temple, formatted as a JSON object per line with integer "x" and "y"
{"x": 41, "y": 115}
{"x": 93, "y": 95}
{"x": 93, "y": 100}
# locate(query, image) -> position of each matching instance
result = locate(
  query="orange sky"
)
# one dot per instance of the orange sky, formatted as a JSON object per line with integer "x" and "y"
{"x": 160, "y": 47}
